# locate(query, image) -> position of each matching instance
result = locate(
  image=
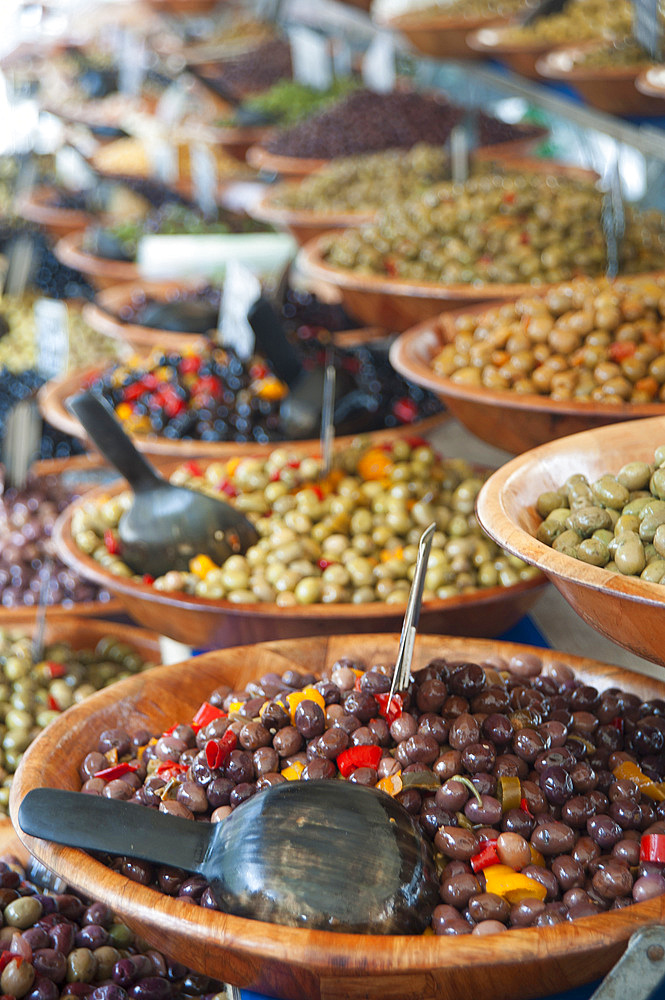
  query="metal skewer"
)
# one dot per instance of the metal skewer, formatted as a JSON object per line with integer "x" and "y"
{"x": 402, "y": 674}
{"x": 328, "y": 419}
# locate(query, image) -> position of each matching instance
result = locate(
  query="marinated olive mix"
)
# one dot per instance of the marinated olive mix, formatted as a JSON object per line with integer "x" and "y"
{"x": 588, "y": 340}
{"x": 349, "y": 537}
{"x": 543, "y": 798}
{"x": 612, "y": 55}
{"x": 33, "y": 694}
{"x": 457, "y": 8}
{"x": 617, "y": 521}
{"x": 506, "y": 228}
{"x": 62, "y": 945}
{"x": 251, "y": 72}
{"x": 578, "y": 21}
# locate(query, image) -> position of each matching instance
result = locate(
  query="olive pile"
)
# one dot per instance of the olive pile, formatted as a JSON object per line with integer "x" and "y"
{"x": 251, "y": 72}
{"x": 578, "y": 21}
{"x": 350, "y": 537}
{"x": 617, "y": 522}
{"x": 543, "y": 799}
{"x": 15, "y": 387}
{"x": 470, "y": 9}
{"x": 60, "y": 945}
{"x": 588, "y": 340}
{"x": 612, "y": 55}
{"x": 504, "y": 228}
{"x": 33, "y": 694}
{"x": 48, "y": 275}
{"x": 288, "y": 101}
{"x": 27, "y": 556}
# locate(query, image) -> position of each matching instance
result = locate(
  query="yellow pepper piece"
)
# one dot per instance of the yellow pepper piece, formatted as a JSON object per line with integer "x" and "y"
{"x": 294, "y": 771}
{"x": 511, "y": 885}
{"x": 628, "y": 769}
{"x": 232, "y": 465}
{"x": 123, "y": 411}
{"x": 201, "y": 565}
{"x": 235, "y": 706}
{"x": 374, "y": 464}
{"x": 392, "y": 784}
{"x": 271, "y": 389}
{"x": 307, "y": 694}
{"x": 536, "y": 857}
{"x": 387, "y": 554}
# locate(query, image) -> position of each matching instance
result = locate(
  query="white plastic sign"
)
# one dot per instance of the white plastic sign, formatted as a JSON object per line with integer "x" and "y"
{"x": 203, "y": 169}
{"x": 311, "y": 60}
{"x": 131, "y": 64}
{"x": 378, "y": 69}
{"x": 164, "y": 160}
{"x": 172, "y": 105}
{"x": 241, "y": 290}
{"x": 52, "y": 325}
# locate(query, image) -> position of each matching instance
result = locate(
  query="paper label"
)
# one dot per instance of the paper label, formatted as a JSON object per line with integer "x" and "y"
{"x": 21, "y": 257}
{"x": 203, "y": 170}
{"x": 131, "y": 64}
{"x": 72, "y": 170}
{"x": 459, "y": 155}
{"x": 241, "y": 290}
{"x": 310, "y": 55}
{"x": 164, "y": 160}
{"x": 648, "y": 27}
{"x": 341, "y": 52}
{"x": 378, "y": 70}
{"x": 52, "y": 325}
{"x": 172, "y": 105}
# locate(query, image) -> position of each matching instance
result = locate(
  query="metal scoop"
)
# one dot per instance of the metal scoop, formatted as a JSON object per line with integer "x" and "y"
{"x": 325, "y": 855}
{"x": 166, "y": 525}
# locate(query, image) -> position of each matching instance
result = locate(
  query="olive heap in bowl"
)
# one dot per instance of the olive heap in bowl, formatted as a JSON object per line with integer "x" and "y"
{"x": 557, "y": 748}
{"x": 331, "y": 548}
{"x": 576, "y": 356}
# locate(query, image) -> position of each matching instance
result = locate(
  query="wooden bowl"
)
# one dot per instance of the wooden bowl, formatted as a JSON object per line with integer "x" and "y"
{"x": 508, "y": 420}
{"x": 237, "y": 139}
{"x": 186, "y": 7}
{"x": 102, "y": 315}
{"x": 608, "y": 88}
{"x": 99, "y": 271}
{"x": 492, "y": 44}
{"x": 651, "y": 82}
{"x": 304, "y": 224}
{"x": 53, "y": 395}
{"x": 292, "y": 962}
{"x": 442, "y": 36}
{"x": 34, "y": 207}
{"x": 206, "y": 623}
{"x": 627, "y": 610}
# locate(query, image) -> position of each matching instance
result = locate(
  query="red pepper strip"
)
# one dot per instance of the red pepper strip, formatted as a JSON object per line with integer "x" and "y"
{"x": 524, "y": 806}
{"x": 111, "y": 542}
{"x": 193, "y": 468}
{"x": 486, "y": 856}
{"x": 170, "y": 766}
{"x": 360, "y": 756}
{"x": 205, "y": 714}
{"x": 617, "y": 723}
{"x": 621, "y": 349}
{"x": 53, "y": 705}
{"x": 405, "y": 409}
{"x": 148, "y": 579}
{"x": 218, "y": 750}
{"x": 396, "y": 706}
{"x": 117, "y": 771}
{"x": 190, "y": 364}
{"x": 7, "y": 957}
{"x": 56, "y": 669}
{"x": 652, "y": 848}
{"x": 170, "y": 730}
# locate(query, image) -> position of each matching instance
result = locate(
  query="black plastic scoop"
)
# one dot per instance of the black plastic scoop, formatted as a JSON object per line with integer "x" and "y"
{"x": 326, "y": 855}
{"x": 166, "y": 525}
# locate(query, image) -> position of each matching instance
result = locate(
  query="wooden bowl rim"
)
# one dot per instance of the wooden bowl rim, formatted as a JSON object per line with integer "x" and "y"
{"x": 481, "y": 41}
{"x": 52, "y": 395}
{"x": 495, "y": 518}
{"x": 549, "y": 65}
{"x": 34, "y": 206}
{"x": 324, "y": 950}
{"x": 266, "y": 210}
{"x": 440, "y": 21}
{"x": 74, "y": 557}
{"x": 69, "y": 251}
{"x": 404, "y": 357}
{"x": 645, "y": 83}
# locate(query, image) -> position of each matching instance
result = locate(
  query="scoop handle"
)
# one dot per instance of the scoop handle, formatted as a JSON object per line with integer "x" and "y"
{"x": 94, "y": 823}
{"x": 105, "y": 430}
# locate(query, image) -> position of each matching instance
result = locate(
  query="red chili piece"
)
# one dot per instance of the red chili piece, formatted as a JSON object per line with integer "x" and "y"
{"x": 396, "y": 706}
{"x": 218, "y": 750}
{"x": 6, "y": 958}
{"x": 360, "y": 756}
{"x": 117, "y": 771}
{"x": 193, "y": 468}
{"x": 405, "y": 409}
{"x": 56, "y": 669}
{"x": 524, "y": 806}
{"x": 205, "y": 714}
{"x": 169, "y": 766}
{"x": 652, "y": 848}
{"x": 148, "y": 579}
{"x": 486, "y": 856}
{"x": 53, "y": 705}
{"x": 112, "y": 542}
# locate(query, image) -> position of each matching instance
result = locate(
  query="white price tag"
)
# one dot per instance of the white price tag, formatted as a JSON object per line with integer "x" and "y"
{"x": 241, "y": 290}
{"x": 172, "y": 105}
{"x": 72, "y": 170}
{"x": 164, "y": 159}
{"x": 378, "y": 70}
{"x": 341, "y": 52}
{"x": 131, "y": 64}
{"x": 203, "y": 169}
{"x": 311, "y": 60}
{"x": 52, "y": 324}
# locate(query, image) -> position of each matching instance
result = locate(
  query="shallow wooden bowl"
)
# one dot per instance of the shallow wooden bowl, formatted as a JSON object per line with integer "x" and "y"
{"x": 441, "y": 36}
{"x": 205, "y": 623}
{"x": 102, "y": 315}
{"x": 609, "y": 88}
{"x": 34, "y": 207}
{"x": 491, "y": 43}
{"x": 319, "y": 965}
{"x": 237, "y": 139}
{"x": 53, "y": 395}
{"x": 100, "y": 271}
{"x": 508, "y": 420}
{"x": 304, "y": 224}
{"x": 626, "y": 609}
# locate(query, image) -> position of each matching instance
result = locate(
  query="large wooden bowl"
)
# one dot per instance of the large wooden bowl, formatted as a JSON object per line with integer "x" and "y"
{"x": 99, "y": 271}
{"x": 210, "y": 624}
{"x": 626, "y": 609}
{"x": 442, "y": 36}
{"x": 35, "y": 206}
{"x": 492, "y": 44}
{"x": 508, "y": 420}
{"x": 53, "y": 395}
{"x": 304, "y": 224}
{"x": 319, "y": 965}
{"x": 608, "y": 88}
{"x": 236, "y": 139}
